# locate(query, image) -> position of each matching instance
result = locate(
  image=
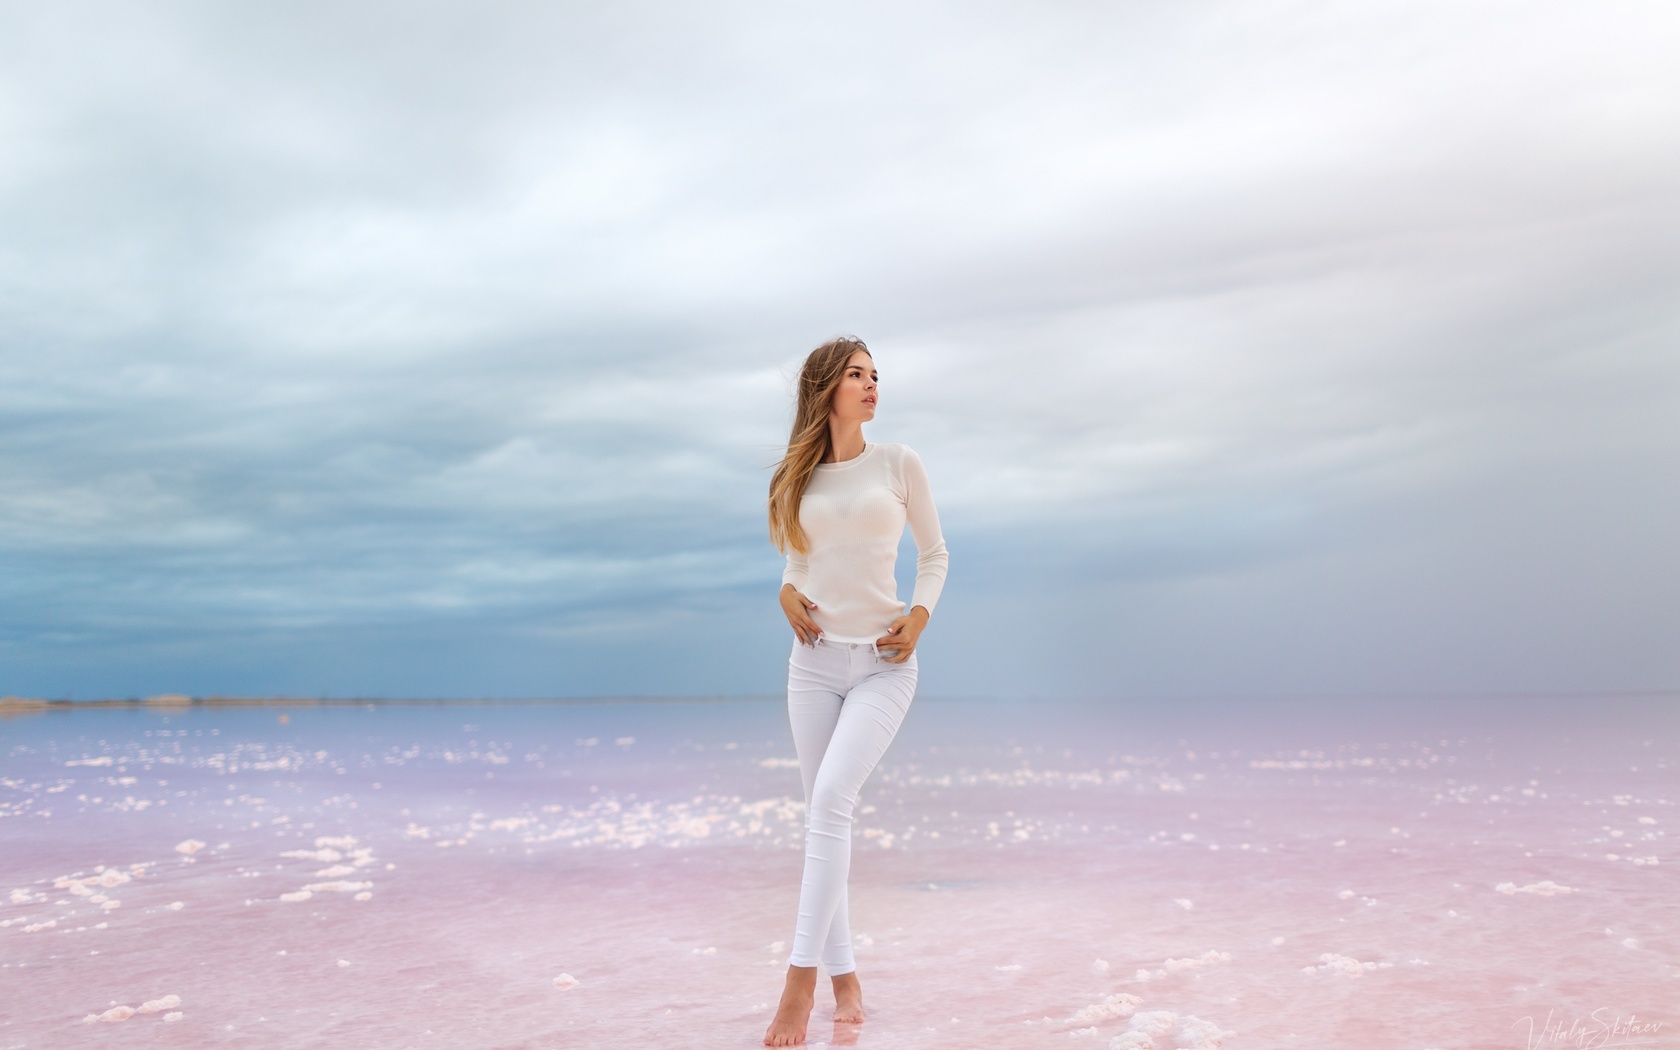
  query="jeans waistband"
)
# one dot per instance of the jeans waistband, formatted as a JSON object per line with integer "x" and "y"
{"x": 828, "y": 643}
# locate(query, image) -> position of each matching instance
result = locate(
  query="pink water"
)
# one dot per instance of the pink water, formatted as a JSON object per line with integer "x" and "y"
{"x": 1262, "y": 874}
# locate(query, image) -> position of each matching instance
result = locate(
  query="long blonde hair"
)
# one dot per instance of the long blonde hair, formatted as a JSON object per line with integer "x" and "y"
{"x": 810, "y": 441}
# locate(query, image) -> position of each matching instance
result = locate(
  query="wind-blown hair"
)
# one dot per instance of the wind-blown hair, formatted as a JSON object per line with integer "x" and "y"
{"x": 810, "y": 440}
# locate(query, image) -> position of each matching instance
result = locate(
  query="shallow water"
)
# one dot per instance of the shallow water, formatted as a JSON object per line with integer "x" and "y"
{"x": 1258, "y": 874}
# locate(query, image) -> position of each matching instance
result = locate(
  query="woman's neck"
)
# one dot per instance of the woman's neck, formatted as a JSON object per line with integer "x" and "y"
{"x": 845, "y": 441}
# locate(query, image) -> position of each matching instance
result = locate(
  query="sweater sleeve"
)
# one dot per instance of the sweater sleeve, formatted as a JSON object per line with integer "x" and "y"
{"x": 931, "y": 557}
{"x": 798, "y": 570}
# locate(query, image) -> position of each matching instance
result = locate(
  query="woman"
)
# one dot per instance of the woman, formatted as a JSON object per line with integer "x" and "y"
{"x": 838, "y": 506}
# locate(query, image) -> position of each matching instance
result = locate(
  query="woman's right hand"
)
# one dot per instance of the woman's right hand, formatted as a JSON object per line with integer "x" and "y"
{"x": 798, "y": 608}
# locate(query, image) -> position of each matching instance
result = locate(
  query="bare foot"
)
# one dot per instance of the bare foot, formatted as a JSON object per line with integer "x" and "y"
{"x": 792, "y": 1013}
{"x": 848, "y": 998}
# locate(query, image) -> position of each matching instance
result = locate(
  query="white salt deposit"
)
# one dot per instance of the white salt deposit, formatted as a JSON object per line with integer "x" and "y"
{"x": 1207, "y": 958}
{"x": 343, "y": 963}
{"x": 296, "y": 895}
{"x": 1544, "y": 888}
{"x": 1197, "y": 1034}
{"x": 189, "y": 847}
{"x": 565, "y": 981}
{"x": 110, "y": 905}
{"x": 1121, "y": 1004}
{"x": 336, "y": 870}
{"x": 337, "y": 887}
{"x": 173, "y": 1016}
{"x": 1330, "y": 962}
{"x": 1153, "y": 1023}
{"x": 83, "y": 887}
{"x": 176, "y": 905}
{"x": 1184, "y": 902}
{"x": 158, "y": 1006}
{"x": 102, "y": 760}
{"x": 115, "y": 1013}
{"x": 363, "y": 896}
{"x": 341, "y": 841}
{"x": 325, "y": 856}
{"x": 1101, "y": 966}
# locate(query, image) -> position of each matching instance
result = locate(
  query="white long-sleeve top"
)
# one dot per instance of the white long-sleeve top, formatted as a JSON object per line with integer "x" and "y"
{"x": 853, "y": 514}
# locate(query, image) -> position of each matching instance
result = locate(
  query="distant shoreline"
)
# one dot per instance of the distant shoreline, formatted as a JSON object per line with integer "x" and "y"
{"x": 20, "y": 705}
{"x": 12, "y": 706}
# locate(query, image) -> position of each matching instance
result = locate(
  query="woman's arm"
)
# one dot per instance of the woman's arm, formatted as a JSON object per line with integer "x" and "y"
{"x": 932, "y": 560}
{"x": 795, "y": 606}
{"x": 931, "y": 557}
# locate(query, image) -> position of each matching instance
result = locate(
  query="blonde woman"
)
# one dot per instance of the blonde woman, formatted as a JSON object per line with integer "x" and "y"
{"x": 838, "y": 507}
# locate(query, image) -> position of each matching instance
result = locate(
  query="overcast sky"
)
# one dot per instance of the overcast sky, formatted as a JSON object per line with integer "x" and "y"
{"x": 357, "y": 349}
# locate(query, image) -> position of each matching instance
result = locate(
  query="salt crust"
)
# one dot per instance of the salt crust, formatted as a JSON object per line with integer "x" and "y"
{"x": 328, "y": 850}
{"x": 158, "y": 1006}
{"x": 1150, "y": 1030}
{"x": 1330, "y": 962}
{"x": 165, "y": 1005}
{"x": 1121, "y": 1004}
{"x": 88, "y": 887}
{"x": 1147, "y": 1030}
{"x": 1545, "y": 888}
{"x": 1207, "y": 958}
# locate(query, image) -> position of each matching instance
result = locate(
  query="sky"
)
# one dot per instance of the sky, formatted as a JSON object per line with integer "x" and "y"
{"x": 443, "y": 350}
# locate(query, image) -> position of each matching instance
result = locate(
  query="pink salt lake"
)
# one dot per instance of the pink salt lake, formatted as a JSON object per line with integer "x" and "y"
{"x": 1359, "y": 874}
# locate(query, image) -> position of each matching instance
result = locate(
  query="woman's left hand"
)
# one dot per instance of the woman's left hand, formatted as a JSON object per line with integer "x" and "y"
{"x": 901, "y": 637}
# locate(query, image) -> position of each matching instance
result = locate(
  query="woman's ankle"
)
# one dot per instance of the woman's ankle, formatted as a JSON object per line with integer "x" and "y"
{"x": 802, "y": 976}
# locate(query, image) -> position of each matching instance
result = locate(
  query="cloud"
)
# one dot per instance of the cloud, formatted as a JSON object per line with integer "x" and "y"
{"x": 469, "y": 333}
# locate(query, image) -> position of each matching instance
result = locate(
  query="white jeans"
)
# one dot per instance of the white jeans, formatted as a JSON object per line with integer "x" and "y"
{"x": 845, "y": 703}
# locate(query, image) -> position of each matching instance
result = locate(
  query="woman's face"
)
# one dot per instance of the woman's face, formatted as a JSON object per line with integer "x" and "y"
{"x": 854, "y": 398}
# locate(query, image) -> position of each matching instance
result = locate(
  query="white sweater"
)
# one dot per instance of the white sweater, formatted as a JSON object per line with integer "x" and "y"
{"x": 853, "y": 514}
